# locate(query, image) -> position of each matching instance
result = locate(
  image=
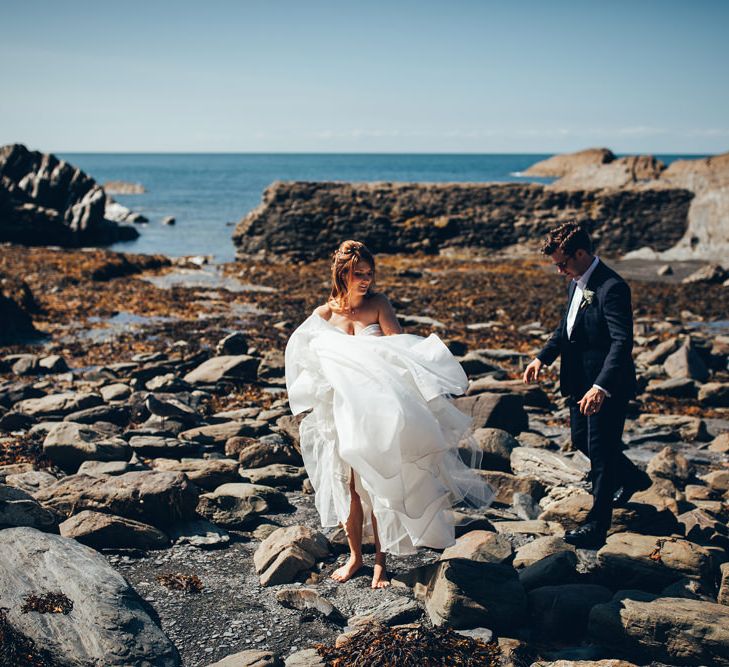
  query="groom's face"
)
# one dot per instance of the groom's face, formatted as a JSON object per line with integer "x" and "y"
{"x": 567, "y": 265}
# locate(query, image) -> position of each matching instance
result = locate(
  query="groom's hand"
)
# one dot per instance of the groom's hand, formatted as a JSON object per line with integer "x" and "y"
{"x": 531, "y": 374}
{"x": 592, "y": 401}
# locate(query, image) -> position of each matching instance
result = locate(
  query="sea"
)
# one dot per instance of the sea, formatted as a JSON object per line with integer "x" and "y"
{"x": 208, "y": 194}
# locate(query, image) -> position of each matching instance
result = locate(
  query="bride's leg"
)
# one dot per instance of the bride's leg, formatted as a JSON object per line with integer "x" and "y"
{"x": 379, "y": 578}
{"x": 353, "y": 528}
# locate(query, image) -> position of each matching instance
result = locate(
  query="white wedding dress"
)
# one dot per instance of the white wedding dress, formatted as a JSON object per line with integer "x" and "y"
{"x": 380, "y": 409}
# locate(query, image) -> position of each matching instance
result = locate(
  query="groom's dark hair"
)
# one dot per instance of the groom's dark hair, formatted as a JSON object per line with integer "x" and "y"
{"x": 569, "y": 237}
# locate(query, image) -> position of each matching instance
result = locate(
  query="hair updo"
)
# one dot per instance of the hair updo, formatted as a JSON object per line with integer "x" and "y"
{"x": 343, "y": 262}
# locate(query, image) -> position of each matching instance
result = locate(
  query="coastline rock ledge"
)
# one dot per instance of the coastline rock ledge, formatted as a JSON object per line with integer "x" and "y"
{"x": 306, "y": 220}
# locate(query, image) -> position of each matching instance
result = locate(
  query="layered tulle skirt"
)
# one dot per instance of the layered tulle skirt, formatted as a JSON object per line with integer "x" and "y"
{"x": 380, "y": 412}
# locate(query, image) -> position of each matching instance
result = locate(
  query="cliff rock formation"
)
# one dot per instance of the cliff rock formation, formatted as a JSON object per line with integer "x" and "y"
{"x": 46, "y": 201}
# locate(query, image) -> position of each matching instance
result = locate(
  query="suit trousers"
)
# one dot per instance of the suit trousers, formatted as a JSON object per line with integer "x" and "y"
{"x": 599, "y": 437}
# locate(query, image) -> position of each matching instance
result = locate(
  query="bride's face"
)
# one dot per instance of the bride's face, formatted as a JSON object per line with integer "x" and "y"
{"x": 360, "y": 278}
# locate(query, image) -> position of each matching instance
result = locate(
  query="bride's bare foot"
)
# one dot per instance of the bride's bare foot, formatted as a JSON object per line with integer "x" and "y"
{"x": 380, "y": 578}
{"x": 348, "y": 570}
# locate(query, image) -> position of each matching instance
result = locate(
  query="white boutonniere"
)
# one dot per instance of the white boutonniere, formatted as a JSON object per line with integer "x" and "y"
{"x": 587, "y": 297}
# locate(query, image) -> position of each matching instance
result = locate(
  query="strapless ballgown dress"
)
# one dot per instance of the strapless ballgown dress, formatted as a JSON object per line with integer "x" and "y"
{"x": 380, "y": 410}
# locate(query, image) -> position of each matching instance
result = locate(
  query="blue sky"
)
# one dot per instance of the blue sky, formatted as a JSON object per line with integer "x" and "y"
{"x": 368, "y": 76}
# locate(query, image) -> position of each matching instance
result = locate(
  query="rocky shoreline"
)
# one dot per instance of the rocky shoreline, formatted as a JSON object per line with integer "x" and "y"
{"x": 146, "y": 434}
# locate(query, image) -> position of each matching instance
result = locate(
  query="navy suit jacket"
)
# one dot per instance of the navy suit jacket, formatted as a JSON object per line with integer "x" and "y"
{"x": 599, "y": 351}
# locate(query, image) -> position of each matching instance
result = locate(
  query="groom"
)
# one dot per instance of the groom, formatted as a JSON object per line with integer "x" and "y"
{"x": 594, "y": 340}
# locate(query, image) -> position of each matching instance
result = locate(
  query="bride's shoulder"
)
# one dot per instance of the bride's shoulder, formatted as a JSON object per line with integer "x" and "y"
{"x": 379, "y": 300}
{"x": 324, "y": 311}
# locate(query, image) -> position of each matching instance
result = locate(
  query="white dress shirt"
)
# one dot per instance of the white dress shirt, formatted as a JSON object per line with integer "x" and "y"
{"x": 580, "y": 287}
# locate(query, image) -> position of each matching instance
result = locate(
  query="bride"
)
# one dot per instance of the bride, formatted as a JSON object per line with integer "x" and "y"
{"x": 381, "y": 443}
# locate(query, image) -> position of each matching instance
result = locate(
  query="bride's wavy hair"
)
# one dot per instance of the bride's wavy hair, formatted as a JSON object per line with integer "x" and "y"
{"x": 343, "y": 262}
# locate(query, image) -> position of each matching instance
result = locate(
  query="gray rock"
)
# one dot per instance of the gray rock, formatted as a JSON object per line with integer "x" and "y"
{"x": 659, "y": 353}
{"x": 99, "y": 530}
{"x": 69, "y": 444}
{"x": 480, "y": 545}
{"x": 108, "y": 624}
{"x": 670, "y": 464}
{"x": 389, "y": 612}
{"x": 197, "y": 532}
{"x": 562, "y": 612}
{"x": 711, "y": 273}
{"x": 504, "y": 411}
{"x": 234, "y": 504}
{"x": 30, "y": 481}
{"x": 276, "y": 474}
{"x": 234, "y": 344}
{"x": 652, "y": 563}
{"x": 251, "y": 658}
{"x": 505, "y": 485}
{"x": 466, "y": 594}
{"x": 115, "y": 392}
{"x": 538, "y": 549}
{"x": 206, "y": 473}
{"x": 715, "y": 394}
{"x": 525, "y": 507}
{"x": 239, "y": 367}
{"x": 686, "y": 363}
{"x": 550, "y": 468}
{"x": 262, "y": 452}
{"x": 675, "y": 387}
{"x": 496, "y": 446}
{"x": 218, "y": 434}
{"x": 19, "y": 508}
{"x": 161, "y": 446}
{"x": 307, "y": 598}
{"x": 309, "y": 657}
{"x": 118, "y": 415}
{"x": 666, "y": 630}
{"x": 556, "y": 569}
{"x": 101, "y": 468}
{"x": 288, "y": 551}
{"x": 58, "y": 405}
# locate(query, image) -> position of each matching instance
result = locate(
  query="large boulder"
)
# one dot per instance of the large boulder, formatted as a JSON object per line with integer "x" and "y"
{"x": 156, "y": 498}
{"x": 502, "y": 411}
{"x": 677, "y": 631}
{"x": 495, "y": 446}
{"x": 468, "y": 594}
{"x": 480, "y": 545}
{"x": 16, "y": 308}
{"x": 288, "y": 551}
{"x": 108, "y": 624}
{"x": 46, "y": 201}
{"x": 651, "y": 563}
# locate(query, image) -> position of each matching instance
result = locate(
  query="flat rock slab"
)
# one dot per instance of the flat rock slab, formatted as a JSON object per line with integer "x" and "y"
{"x": 480, "y": 545}
{"x": 233, "y": 504}
{"x": 99, "y": 530}
{"x": 549, "y": 467}
{"x": 250, "y": 658}
{"x": 107, "y": 625}
{"x": 676, "y": 631}
{"x": 58, "y": 405}
{"x": 389, "y": 612}
{"x": 157, "y": 498}
{"x": 239, "y": 367}
{"x": 206, "y": 473}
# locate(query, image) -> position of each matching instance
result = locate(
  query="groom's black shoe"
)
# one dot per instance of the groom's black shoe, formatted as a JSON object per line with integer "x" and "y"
{"x": 639, "y": 483}
{"x": 588, "y": 536}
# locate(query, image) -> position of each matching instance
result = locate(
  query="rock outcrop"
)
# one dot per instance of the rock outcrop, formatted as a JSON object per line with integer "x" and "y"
{"x": 46, "y": 201}
{"x": 308, "y": 220}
